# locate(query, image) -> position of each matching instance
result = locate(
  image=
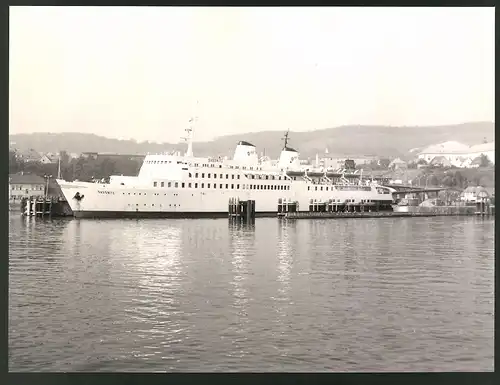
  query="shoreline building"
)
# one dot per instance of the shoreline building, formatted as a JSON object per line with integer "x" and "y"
{"x": 458, "y": 154}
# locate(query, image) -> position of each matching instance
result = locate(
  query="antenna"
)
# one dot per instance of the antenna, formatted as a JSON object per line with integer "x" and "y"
{"x": 285, "y": 138}
{"x": 189, "y": 136}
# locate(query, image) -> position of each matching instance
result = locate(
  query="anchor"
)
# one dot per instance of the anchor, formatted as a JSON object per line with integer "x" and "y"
{"x": 78, "y": 197}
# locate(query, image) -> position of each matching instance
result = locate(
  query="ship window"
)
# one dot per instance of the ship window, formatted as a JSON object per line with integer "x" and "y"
{"x": 154, "y": 184}
{"x": 196, "y": 185}
{"x": 227, "y": 186}
{"x": 321, "y": 188}
{"x": 215, "y": 176}
{"x": 215, "y": 185}
{"x": 267, "y": 177}
{"x": 202, "y": 185}
{"x": 221, "y": 176}
{"x": 227, "y": 176}
{"x": 253, "y": 176}
{"x": 189, "y": 185}
{"x": 232, "y": 176}
{"x": 176, "y": 184}
{"x": 208, "y": 176}
{"x": 220, "y": 165}
{"x": 308, "y": 188}
{"x": 169, "y": 184}
{"x": 232, "y": 186}
{"x": 279, "y": 178}
{"x": 220, "y": 185}
{"x": 208, "y": 185}
{"x": 238, "y": 186}
{"x": 288, "y": 187}
{"x": 183, "y": 185}
{"x": 152, "y": 204}
{"x": 203, "y": 175}
{"x": 190, "y": 175}
{"x": 162, "y": 184}
{"x": 139, "y": 193}
{"x": 316, "y": 188}
{"x": 196, "y": 175}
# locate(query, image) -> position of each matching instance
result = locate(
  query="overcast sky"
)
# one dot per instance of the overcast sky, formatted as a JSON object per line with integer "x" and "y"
{"x": 137, "y": 72}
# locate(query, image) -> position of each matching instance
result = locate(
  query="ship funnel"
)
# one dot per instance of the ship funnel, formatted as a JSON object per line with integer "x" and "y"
{"x": 289, "y": 159}
{"x": 246, "y": 153}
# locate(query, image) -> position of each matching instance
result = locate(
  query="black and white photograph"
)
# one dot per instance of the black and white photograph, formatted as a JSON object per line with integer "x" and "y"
{"x": 251, "y": 189}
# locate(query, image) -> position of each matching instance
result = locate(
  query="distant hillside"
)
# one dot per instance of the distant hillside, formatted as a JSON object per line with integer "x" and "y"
{"x": 341, "y": 141}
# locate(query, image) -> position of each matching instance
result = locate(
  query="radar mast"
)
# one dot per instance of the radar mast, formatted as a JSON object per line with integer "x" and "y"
{"x": 285, "y": 138}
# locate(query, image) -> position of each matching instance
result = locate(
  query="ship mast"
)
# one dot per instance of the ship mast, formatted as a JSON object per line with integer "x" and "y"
{"x": 285, "y": 138}
{"x": 189, "y": 136}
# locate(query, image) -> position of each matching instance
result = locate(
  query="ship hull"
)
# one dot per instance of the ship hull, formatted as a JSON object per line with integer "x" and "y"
{"x": 92, "y": 200}
{"x": 161, "y": 214}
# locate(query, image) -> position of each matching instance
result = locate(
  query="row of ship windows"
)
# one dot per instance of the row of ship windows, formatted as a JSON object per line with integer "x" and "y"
{"x": 153, "y": 205}
{"x": 346, "y": 200}
{"x": 209, "y": 175}
{"x": 196, "y": 175}
{"x": 202, "y": 185}
{"x": 203, "y": 165}
{"x": 341, "y": 188}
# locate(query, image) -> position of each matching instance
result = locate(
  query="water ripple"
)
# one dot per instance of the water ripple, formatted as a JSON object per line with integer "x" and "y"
{"x": 339, "y": 295}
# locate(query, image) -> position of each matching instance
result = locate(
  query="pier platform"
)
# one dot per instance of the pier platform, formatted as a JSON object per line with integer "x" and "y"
{"x": 404, "y": 211}
{"x": 45, "y": 207}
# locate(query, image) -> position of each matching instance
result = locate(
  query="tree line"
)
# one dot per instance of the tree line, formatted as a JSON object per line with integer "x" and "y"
{"x": 82, "y": 168}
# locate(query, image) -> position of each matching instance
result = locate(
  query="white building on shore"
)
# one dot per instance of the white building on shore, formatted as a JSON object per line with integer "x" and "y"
{"x": 458, "y": 154}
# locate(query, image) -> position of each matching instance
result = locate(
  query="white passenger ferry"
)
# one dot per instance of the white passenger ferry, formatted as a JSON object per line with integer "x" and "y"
{"x": 175, "y": 185}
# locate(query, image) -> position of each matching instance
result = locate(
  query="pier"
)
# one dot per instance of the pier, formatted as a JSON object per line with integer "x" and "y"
{"x": 241, "y": 211}
{"x": 36, "y": 207}
{"x": 44, "y": 207}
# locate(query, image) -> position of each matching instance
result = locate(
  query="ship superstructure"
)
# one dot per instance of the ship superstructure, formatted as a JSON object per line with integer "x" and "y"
{"x": 176, "y": 185}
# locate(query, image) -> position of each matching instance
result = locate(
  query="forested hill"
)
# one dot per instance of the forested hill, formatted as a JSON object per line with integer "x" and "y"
{"x": 341, "y": 141}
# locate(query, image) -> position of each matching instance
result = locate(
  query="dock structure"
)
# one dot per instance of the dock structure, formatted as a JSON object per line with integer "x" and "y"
{"x": 483, "y": 205}
{"x": 37, "y": 207}
{"x": 241, "y": 211}
{"x": 45, "y": 207}
{"x": 287, "y": 206}
{"x": 406, "y": 212}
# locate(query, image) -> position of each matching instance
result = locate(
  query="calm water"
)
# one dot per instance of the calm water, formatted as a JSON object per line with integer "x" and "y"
{"x": 200, "y": 295}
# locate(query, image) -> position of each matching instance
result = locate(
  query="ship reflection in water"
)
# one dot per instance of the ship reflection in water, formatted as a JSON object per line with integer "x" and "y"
{"x": 199, "y": 295}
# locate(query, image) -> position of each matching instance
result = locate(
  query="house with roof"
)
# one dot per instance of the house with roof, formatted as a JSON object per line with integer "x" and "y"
{"x": 487, "y": 149}
{"x": 476, "y": 162}
{"x": 472, "y": 193}
{"x": 49, "y": 158}
{"x": 24, "y": 186}
{"x": 398, "y": 163}
{"x": 440, "y": 161}
{"x": 29, "y": 155}
{"x": 450, "y": 150}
